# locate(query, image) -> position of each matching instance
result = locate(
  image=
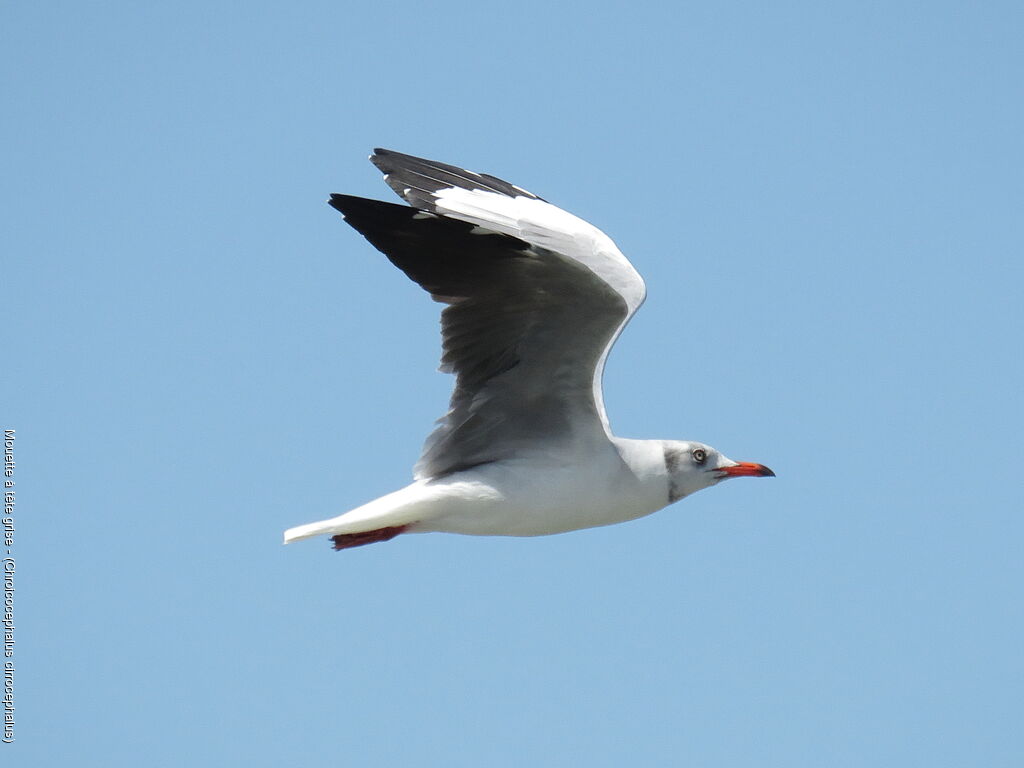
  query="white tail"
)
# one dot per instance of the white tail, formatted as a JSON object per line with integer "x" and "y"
{"x": 308, "y": 531}
{"x": 408, "y": 505}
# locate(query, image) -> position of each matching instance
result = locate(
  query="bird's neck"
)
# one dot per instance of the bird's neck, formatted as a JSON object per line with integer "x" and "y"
{"x": 645, "y": 460}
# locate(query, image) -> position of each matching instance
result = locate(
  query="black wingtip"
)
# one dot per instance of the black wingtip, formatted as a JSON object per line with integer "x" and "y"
{"x": 362, "y": 212}
{"x": 337, "y": 202}
{"x": 381, "y": 155}
{"x": 349, "y": 204}
{"x": 380, "y": 161}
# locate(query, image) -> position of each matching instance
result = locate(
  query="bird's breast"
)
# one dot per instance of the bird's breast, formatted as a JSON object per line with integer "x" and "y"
{"x": 541, "y": 495}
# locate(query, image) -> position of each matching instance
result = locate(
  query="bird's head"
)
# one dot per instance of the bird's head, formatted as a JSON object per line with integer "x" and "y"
{"x": 692, "y": 466}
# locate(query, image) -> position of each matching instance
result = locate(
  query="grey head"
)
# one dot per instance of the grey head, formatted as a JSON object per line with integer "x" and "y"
{"x": 692, "y": 466}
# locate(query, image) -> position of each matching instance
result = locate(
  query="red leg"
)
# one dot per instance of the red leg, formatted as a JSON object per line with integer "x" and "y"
{"x": 349, "y": 540}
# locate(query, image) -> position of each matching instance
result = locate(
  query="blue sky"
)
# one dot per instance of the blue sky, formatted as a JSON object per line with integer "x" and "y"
{"x": 825, "y": 200}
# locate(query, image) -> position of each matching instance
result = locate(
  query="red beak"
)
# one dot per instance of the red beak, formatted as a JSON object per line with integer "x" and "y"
{"x": 746, "y": 469}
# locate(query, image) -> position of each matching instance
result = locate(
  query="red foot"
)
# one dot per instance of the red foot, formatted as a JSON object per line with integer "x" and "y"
{"x": 349, "y": 540}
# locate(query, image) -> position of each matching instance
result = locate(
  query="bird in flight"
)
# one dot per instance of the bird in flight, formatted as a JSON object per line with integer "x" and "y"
{"x": 536, "y": 297}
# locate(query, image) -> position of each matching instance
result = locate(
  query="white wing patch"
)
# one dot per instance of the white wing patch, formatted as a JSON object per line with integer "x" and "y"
{"x": 545, "y": 225}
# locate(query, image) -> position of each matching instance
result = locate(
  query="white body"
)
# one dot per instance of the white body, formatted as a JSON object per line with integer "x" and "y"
{"x": 535, "y": 495}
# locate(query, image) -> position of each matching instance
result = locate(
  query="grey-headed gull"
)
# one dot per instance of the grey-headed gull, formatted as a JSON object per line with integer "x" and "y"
{"x": 536, "y": 297}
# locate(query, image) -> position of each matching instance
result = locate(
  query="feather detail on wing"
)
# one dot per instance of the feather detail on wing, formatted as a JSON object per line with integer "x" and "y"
{"x": 535, "y": 295}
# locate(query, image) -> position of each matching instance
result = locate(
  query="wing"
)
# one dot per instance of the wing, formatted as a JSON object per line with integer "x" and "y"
{"x": 489, "y": 202}
{"x": 535, "y": 296}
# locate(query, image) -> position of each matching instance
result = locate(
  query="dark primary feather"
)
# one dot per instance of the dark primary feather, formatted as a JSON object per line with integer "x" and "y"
{"x": 416, "y": 180}
{"x": 523, "y": 331}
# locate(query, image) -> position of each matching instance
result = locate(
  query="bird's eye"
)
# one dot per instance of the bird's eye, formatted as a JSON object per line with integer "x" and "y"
{"x": 699, "y": 454}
